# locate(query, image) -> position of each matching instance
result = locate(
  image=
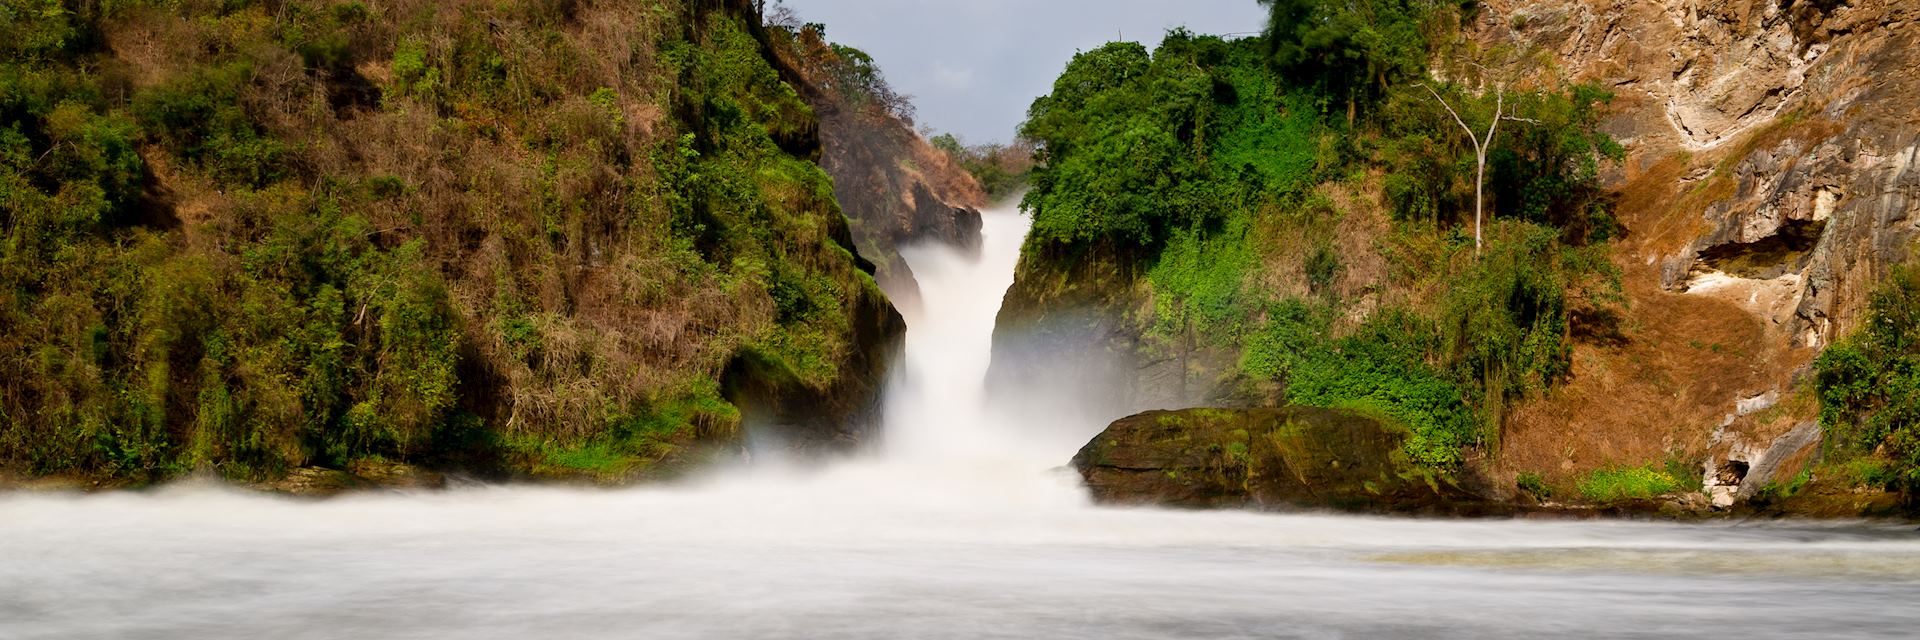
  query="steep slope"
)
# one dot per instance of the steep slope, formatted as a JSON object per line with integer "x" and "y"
{"x": 1768, "y": 190}
{"x": 551, "y": 238}
{"x": 894, "y": 186}
{"x": 1762, "y": 193}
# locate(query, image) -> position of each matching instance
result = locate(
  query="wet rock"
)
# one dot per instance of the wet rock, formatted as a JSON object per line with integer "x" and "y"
{"x": 1740, "y": 467}
{"x": 935, "y": 220}
{"x": 893, "y": 186}
{"x": 783, "y": 410}
{"x": 360, "y": 475}
{"x": 394, "y": 475}
{"x": 314, "y": 482}
{"x": 1082, "y": 312}
{"x": 1273, "y": 458}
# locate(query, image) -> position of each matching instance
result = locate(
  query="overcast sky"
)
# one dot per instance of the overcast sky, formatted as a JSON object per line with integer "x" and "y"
{"x": 973, "y": 66}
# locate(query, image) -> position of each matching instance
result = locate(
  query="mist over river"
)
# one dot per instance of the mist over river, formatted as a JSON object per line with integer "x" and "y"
{"x": 961, "y": 524}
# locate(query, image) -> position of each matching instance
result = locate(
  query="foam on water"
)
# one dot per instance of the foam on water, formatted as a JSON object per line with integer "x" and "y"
{"x": 962, "y": 525}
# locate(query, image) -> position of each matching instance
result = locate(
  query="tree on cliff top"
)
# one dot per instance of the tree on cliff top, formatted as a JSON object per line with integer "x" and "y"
{"x": 844, "y": 70}
{"x": 1354, "y": 50}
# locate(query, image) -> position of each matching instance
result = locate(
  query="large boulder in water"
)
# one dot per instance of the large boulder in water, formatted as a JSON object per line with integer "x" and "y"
{"x": 1292, "y": 457}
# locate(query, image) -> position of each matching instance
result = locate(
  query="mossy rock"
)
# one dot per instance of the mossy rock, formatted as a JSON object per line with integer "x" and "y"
{"x": 1268, "y": 458}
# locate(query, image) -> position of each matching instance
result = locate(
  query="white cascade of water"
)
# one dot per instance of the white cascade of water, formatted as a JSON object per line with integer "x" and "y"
{"x": 961, "y": 525}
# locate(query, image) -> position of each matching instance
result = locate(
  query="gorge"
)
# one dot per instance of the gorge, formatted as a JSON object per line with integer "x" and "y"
{"x": 667, "y": 319}
{"x": 960, "y": 526}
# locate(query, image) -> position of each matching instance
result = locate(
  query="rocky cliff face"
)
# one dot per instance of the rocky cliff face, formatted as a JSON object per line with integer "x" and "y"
{"x": 1770, "y": 185}
{"x": 1085, "y": 313}
{"x": 891, "y": 183}
{"x": 1794, "y": 121}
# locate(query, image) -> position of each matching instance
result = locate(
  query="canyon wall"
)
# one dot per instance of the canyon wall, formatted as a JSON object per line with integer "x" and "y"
{"x": 1769, "y": 186}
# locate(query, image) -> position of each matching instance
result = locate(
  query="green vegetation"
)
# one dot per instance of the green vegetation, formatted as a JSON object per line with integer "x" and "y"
{"x": 1001, "y": 169}
{"x": 1381, "y": 368}
{"x": 845, "y": 72}
{"x": 1128, "y": 140}
{"x": 1866, "y": 472}
{"x": 1214, "y": 163}
{"x": 1627, "y": 483}
{"x": 1869, "y": 387}
{"x": 1775, "y": 491}
{"x": 1534, "y": 485}
{"x": 312, "y": 232}
{"x": 1354, "y": 51}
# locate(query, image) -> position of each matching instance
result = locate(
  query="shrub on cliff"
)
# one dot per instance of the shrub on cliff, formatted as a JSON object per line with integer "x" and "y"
{"x": 1869, "y": 383}
{"x": 1001, "y": 169}
{"x": 253, "y": 235}
{"x": 1384, "y": 368}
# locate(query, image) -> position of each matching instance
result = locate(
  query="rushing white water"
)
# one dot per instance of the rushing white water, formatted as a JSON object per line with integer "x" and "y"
{"x": 963, "y": 527}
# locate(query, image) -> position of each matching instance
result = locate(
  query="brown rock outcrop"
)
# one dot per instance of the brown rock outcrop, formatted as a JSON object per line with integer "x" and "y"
{"x": 1796, "y": 122}
{"x": 1772, "y": 145}
{"x": 894, "y": 187}
{"x": 1292, "y": 457}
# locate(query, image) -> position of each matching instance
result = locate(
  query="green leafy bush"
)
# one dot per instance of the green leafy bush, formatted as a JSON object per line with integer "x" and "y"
{"x": 1627, "y": 483}
{"x": 412, "y": 73}
{"x": 1322, "y": 269}
{"x": 1543, "y": 166}
{"x": 1534, "y": 485}
{"x": 1353, "y": 50}
{"x": 1869, "y": 383}
{"x": 1382, "y": 368}
{"x": 1126, "y": 142}
{"x": 1001, "y": 169}
{"x": 1546, "y": 167}
{"x": 1199, "y": 281}
{"x": 1506, "y": 316}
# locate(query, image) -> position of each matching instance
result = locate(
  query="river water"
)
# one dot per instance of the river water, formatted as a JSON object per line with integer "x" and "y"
{"x": 960, "y": 525}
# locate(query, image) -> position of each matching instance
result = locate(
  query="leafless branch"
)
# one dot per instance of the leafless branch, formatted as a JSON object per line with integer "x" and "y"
{"x": 1456, "y": 116}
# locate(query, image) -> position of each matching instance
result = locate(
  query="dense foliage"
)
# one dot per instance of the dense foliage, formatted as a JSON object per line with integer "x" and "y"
{"x": 1543, "y": 167}
{"x": 853, "y": 73}
{"x": 251, "y": 235}
{"x": 1869, "y": 384}
{"x": 1135, "y": 146}
{"x": 1212, "y": 161}
{"x": 1354, "y": 50}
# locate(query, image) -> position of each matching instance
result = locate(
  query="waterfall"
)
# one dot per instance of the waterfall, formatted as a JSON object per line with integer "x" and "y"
{"x": 960, "y": 524}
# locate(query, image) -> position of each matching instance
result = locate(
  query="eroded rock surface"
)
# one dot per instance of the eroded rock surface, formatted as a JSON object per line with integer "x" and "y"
{"x": 894, "y": 187}
{"x": 1771, "y": 151}
{"x": 1292, "y": 457}
{"x": 1797, "y": 116}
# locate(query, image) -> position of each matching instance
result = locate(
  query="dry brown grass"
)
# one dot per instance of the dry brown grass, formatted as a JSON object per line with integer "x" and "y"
{"x": 514, "y": 164}
{"x": 614, "y": 329}
{"x": 1656, "y": 380}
